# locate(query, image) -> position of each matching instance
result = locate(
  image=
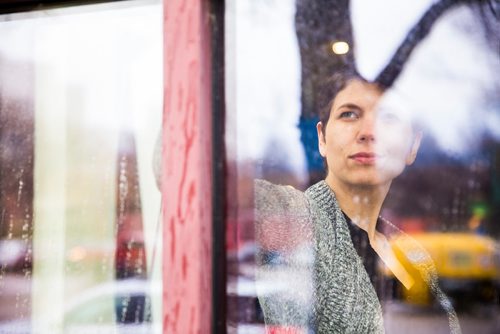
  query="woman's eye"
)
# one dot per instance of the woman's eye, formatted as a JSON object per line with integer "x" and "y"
{"x": 349, "y": 115}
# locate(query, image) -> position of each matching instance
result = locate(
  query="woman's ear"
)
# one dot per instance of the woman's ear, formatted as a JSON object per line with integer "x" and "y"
{"x": 321, "y": 139}
{"x": 412, "y": 155}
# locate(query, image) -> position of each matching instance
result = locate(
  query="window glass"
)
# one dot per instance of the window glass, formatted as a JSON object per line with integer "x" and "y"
{"x": 80, "y": 114}
{"x": 393, "y": 207}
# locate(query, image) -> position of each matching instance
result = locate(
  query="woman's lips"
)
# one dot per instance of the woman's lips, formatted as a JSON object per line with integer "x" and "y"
{"x": 364, "y": 158}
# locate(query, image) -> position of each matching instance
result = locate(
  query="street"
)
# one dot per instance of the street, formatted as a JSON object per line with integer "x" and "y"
{"x": 403, "y": 318}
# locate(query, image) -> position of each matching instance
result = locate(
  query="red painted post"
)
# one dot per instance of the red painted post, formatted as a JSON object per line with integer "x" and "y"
{"x": 187, "y": 168}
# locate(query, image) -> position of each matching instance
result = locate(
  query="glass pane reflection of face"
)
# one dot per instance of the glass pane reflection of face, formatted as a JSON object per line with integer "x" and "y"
{"x": 364, "y": 144}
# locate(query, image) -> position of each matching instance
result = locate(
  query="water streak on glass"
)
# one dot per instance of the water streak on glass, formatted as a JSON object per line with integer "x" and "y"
{"x": 64, "y": 187}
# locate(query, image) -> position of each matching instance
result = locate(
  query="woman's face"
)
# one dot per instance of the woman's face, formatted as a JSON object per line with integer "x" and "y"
{"x": 365, "y": 142}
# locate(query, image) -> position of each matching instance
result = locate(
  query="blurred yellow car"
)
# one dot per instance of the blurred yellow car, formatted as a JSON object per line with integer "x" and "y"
{"x": 468, "y": 266}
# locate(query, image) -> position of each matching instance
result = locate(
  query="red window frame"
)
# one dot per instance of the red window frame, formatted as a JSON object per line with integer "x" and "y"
{"x": 193, "y": 183}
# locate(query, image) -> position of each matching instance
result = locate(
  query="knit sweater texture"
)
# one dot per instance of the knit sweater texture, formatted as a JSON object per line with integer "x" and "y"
{"x": 306, "y": 254}
{"x": 338, "y": 296}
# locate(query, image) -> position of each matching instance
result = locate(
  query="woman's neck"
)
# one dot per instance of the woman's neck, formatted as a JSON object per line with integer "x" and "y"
{"x": 361, "y": 204}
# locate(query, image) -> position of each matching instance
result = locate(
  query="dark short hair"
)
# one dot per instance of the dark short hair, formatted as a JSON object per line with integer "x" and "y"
{"x": 330, "y": 89}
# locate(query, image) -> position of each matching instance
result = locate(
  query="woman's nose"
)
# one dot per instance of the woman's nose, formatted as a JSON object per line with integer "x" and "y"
{"x": 367, "y": 130}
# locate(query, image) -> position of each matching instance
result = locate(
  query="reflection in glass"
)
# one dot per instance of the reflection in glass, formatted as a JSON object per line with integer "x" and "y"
{"x": 438, "y": 71}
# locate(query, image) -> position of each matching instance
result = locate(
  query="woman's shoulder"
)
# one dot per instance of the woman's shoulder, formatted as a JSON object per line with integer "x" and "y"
{"x": 282, "y": 216}
{"x": 275, "y": 198}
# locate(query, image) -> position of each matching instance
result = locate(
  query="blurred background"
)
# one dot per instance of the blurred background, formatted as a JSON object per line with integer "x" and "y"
{"x": 80, "y": 113}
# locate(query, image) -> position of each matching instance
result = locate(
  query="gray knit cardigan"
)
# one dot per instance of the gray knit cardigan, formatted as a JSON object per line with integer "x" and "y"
{"x": 309, "y": 274}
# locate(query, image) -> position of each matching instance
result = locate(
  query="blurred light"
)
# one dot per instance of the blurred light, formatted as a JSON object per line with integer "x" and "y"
{"x": 486, "y": 261}
{"x": 77, "y": 254}
{"x": 340, "y": 48}
{"x": 480, "y": 209}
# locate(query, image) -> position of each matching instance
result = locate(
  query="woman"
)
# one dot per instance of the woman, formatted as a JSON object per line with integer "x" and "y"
{"x": 322, "y": 281}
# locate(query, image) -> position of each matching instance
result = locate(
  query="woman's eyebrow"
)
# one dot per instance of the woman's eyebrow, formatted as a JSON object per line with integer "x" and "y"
{"x": 349, "y": 106}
